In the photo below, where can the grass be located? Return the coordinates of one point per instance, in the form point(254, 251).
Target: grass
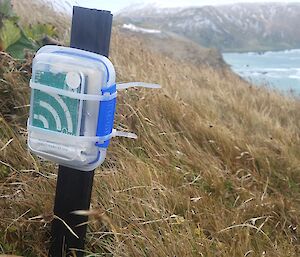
point(215, 171)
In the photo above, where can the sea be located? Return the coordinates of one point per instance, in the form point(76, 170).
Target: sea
point(278, 70)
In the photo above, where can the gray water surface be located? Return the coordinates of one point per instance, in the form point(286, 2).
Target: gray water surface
point(279, 70)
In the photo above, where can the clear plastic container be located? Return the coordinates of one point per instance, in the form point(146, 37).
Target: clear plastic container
point(72, 108)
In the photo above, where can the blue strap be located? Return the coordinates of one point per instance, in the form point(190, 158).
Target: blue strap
point(106, 117)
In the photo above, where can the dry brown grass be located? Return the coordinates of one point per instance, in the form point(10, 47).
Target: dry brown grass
point(215, 171)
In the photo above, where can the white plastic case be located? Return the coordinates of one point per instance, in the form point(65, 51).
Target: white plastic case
point(70, 90)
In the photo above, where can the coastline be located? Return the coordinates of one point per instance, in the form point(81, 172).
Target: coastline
point(260, 52)
point(279, 70)
point(238, 51)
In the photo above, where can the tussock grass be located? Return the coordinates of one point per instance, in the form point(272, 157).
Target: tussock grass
point(215, 171)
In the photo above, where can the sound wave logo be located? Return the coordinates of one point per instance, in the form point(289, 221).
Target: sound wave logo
point(54, 112)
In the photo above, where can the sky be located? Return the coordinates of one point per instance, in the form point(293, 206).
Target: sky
point(117, 5)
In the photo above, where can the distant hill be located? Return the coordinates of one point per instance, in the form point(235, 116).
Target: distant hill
point(238, 27)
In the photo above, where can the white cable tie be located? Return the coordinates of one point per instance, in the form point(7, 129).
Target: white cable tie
point(74, 95)
point(117, 133)
point(63, 136)
point(123, 86)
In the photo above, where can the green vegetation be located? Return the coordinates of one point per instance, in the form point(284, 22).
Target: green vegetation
point(14, 39)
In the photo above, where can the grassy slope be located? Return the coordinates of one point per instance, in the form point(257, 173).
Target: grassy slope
point(177, 47)
point(215, 171)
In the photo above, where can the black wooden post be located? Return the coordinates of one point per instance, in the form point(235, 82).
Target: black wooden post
point(91, 31)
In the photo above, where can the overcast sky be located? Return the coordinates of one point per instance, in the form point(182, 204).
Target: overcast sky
point(116, 5)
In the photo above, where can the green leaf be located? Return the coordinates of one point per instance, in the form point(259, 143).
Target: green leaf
point(38, 31)
point(17, 50)
point(9, 34)
point(14, 39)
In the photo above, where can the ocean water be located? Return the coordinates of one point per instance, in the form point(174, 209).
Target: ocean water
point(279, 70)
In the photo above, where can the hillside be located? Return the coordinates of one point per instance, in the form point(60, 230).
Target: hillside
point(215, 170)
point(176, 47)
point(237, 27)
